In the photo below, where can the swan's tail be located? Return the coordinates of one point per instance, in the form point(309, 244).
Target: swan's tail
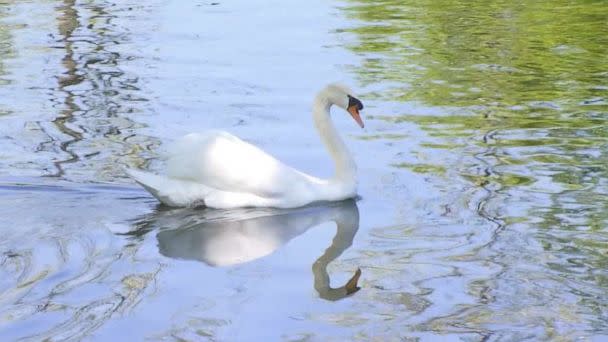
point(151, 182)
point(172, 192)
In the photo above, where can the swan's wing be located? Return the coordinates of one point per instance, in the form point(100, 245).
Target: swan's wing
point(225, 162)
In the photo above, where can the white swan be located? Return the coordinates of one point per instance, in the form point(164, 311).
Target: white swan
point(218, 170)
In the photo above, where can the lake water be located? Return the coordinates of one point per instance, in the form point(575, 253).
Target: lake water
point(483, 171)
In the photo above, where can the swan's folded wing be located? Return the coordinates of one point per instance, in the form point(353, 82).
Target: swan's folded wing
point(225, 162)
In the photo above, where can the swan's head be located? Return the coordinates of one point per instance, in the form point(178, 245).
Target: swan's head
point(343, 97)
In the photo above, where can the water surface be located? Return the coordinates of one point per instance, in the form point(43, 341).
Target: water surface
point(483, 171)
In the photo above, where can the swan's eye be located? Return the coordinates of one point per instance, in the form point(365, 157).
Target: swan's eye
point(353, 101)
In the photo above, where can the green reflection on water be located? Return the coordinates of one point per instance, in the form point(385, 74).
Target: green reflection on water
point(535, 73)
point(422, 168)
point(459, 53)
point(519, 97)
point(6, 49)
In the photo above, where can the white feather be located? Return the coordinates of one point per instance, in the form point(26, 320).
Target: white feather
point(219, 170)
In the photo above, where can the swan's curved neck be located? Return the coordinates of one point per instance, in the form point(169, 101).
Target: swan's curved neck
point(346, 169)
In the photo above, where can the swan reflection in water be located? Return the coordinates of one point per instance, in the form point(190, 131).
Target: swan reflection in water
point(222, 238)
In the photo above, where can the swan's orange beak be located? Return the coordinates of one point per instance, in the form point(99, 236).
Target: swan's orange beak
point(354, 112)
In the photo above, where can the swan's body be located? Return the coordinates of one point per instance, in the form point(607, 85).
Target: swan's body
point(218, 170)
